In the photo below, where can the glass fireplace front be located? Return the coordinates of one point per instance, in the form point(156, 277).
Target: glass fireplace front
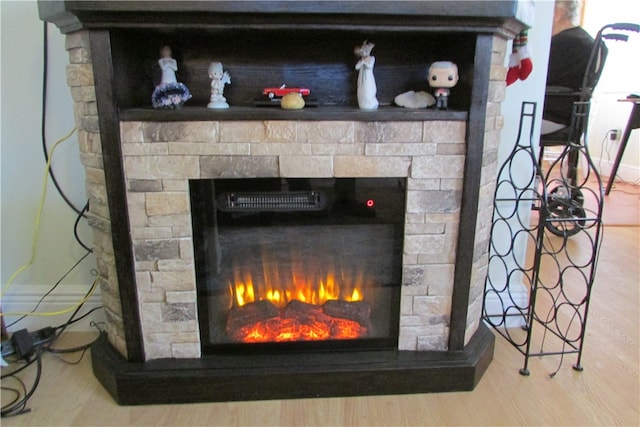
point(298, 263)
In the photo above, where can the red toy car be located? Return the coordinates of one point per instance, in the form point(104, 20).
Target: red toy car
point(281, 91)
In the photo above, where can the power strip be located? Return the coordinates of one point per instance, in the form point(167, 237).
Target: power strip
point(23, 343)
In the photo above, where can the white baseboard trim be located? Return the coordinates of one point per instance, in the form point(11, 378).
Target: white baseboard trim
point(494, 308)
point(24, 298)
point(628, 173)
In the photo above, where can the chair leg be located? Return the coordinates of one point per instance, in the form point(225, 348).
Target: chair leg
point(572, 164)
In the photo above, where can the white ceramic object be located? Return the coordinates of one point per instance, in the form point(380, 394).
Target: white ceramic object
point(367, 88)
point(218, 79)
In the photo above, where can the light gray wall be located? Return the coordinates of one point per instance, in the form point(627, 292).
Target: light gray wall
point(531, 89)
point(23, 168)
point(521, 171)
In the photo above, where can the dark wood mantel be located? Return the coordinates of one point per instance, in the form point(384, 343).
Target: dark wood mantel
point(503, 16)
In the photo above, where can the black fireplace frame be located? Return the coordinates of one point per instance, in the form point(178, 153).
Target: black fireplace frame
point(338, 206)
point(291, 376)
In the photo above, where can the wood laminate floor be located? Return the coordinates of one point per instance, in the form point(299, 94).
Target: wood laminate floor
point(605, 393)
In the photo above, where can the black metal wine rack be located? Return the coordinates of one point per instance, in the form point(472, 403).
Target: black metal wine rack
point(546, 230)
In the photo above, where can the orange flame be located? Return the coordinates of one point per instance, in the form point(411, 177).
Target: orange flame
point(311, 287)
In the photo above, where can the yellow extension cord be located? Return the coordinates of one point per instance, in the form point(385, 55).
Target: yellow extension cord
point(34, 244)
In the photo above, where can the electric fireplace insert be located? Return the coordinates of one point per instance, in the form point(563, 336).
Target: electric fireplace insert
point(298, 264)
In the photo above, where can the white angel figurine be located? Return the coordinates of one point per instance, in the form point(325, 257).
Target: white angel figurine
point(170, 93)
point(168, 65)
point(367, 89)
point(218, 80)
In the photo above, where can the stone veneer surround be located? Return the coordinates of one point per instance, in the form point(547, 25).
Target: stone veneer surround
point(160, 158)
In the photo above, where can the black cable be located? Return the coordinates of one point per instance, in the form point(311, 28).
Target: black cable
point(76, 349)
point(83, 346)
point(60, 329)
point(45, 72)
point(21, 368)
point(12, 358)
point(19, 393)
point(80, 318)
point(52, 288)
point(75, 362)
point(13, 390)
point(81, 215)
point(20, 406)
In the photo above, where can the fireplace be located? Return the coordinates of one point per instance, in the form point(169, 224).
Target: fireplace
point(258, 253)
point(197, 221)
point(307, 262)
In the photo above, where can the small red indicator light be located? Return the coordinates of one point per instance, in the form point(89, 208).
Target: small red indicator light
point(370, 203)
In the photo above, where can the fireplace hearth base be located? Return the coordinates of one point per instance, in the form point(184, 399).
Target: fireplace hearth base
point(220, 378)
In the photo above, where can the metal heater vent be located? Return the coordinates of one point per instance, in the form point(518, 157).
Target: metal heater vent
point(272, 201)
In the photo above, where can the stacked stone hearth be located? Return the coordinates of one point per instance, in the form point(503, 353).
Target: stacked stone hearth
point(81, 84)
point(161, 157)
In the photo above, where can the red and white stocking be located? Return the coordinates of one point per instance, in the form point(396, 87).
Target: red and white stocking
point(520, 63)
point(513, 73)
point(526, 64)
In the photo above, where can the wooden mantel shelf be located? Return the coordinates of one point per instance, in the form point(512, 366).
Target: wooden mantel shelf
point(276, 113)
point(505, 16)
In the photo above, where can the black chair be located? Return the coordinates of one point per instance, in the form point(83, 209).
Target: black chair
point(573, 133)
point(566, 200)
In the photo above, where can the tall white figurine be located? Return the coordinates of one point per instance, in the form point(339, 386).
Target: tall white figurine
point(367, 88)
point(168, 65)
point(169, 94)
point(218, 80)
